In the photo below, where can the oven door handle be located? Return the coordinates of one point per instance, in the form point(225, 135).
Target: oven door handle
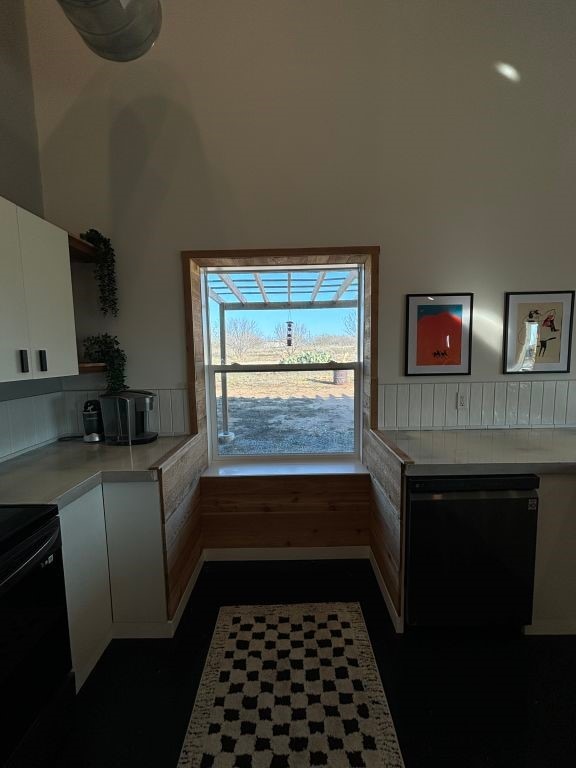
point(30, 562)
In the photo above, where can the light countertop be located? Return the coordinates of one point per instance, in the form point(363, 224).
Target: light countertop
point(63, 471)
point(485, 451)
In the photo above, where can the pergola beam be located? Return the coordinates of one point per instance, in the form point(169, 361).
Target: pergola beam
point(345, 285)
point(230, 283)
point(292, 305)
point(260, 285)
point(213, 295)
point(318, 285)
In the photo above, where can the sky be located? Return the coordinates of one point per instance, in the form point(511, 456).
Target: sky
point(318, 321)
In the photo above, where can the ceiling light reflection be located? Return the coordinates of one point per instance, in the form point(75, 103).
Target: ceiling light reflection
point(507, 71)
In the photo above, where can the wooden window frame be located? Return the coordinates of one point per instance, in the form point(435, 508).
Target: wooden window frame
point(194, 261)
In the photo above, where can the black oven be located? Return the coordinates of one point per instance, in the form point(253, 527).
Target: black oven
point(36, 678)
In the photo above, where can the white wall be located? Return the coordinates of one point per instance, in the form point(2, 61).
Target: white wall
point(19, 164)
point(273, 123)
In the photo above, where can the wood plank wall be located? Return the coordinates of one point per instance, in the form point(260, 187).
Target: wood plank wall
point(180, 494)
point(194, 346)
point(179, 475)
point(294, 511)
point(387, 525)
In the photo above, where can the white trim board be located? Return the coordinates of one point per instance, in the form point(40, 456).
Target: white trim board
point(123, 630)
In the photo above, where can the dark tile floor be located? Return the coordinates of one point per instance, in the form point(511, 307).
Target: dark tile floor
point(458, 699)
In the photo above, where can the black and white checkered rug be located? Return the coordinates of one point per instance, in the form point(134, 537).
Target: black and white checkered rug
point(291, 686)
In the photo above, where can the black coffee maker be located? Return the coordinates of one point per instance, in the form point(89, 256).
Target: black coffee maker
point(125, 417)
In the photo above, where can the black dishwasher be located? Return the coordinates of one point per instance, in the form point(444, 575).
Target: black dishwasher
point(470, 550)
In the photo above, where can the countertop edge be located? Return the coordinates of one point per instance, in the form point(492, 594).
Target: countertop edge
point(173, 454)
point(100, 477)
point(383, 438)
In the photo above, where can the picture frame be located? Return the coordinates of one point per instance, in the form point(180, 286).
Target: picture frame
point(438, 334)
point(538, 331)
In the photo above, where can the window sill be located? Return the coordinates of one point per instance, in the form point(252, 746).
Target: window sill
point(262, 468)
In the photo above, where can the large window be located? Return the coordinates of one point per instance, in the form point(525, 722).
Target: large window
point(283, 347)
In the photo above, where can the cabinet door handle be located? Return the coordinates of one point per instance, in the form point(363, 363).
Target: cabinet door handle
point(24, 366)
point(43, 359)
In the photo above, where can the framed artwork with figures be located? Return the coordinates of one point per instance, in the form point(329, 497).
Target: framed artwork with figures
point(438, 334)
point(538, 332)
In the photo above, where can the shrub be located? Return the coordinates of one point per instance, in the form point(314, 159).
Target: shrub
point(307, 357)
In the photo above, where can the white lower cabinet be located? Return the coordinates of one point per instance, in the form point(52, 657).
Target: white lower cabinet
point(136, 557)
point(113, 554)
point(85, 555)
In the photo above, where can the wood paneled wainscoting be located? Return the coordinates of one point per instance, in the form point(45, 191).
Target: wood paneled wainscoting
point(179, 477)
point(386, 465)
point(207, 517)
point(285, 511)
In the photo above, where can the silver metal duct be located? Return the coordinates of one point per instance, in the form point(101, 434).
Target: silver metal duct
point(119, 30)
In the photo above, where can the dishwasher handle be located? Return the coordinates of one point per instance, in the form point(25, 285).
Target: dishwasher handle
point(473, 498)
point(33, 552)
point(468, 483)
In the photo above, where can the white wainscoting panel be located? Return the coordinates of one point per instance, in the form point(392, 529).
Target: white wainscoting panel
point(548, 403)
point(571, 403)
point(451, 404)
point(560, 402)
point(29, 422)
point(488, 405)
point(463, 411)
point(427, 414)
point(512, 393)
point(476, 405)
point(169, 417)
point(536, 398)
point(439, 404)
point(402, 404)
point(524, 404)
point(415, 405)
point(499, 404)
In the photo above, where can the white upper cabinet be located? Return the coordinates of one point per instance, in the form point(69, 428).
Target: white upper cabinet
point(48, 289)
point(14, 337)
point(36, 307)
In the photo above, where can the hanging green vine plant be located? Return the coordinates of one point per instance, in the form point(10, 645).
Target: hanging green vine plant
point(105, 271)
point(104, 348)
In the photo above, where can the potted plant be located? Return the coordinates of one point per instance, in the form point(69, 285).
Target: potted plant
point(104, 348)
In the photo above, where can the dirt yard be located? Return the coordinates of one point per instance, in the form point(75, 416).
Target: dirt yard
point(289, 425)
point(292, 412)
